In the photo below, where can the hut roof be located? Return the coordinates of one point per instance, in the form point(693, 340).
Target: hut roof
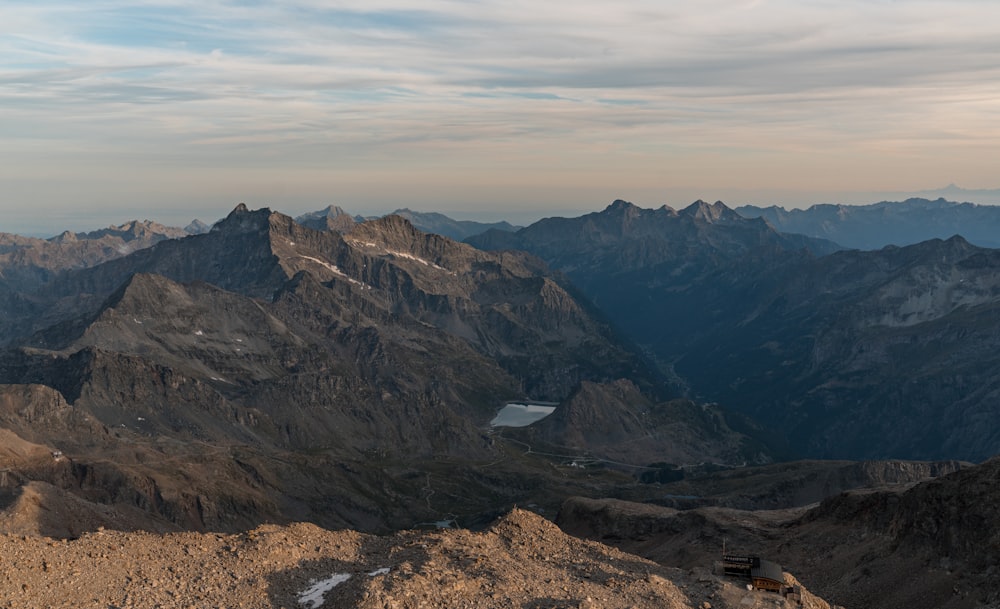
point(765, 569)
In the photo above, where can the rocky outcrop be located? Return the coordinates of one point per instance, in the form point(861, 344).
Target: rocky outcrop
point(521, 561)
point(793, 484)
point(618, 423)
point(925, 545)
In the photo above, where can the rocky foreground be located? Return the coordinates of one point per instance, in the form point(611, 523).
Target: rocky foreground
point(522, 561)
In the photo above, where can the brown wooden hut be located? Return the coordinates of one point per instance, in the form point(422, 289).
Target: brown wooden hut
point(763, 574)
point(767, 575)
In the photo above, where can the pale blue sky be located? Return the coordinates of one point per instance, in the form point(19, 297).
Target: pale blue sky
point(174, 109)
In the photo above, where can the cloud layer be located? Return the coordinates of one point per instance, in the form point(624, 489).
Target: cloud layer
point(379, 103)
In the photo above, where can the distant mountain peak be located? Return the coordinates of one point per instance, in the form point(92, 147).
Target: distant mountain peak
point(714, 212)
point(64, 237)
point(331, 218)
point(394, 222)
point(333, 211)
point(335, 219)
point(873, 226)
point(330, 211)
point(242, 220)
point(197, 227)
point(622, 215)
point(620, 205)
point(391, 230)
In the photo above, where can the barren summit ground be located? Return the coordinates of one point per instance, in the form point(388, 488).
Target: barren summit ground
point(522, 561)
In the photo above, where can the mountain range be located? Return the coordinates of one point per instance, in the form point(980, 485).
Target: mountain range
point(838, 354)
point(335, 218)
point(870, 227)
point(346, 371)
point(32, 260)
point(341, 378)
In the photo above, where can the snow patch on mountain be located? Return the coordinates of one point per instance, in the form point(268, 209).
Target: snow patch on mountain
point(313, 596)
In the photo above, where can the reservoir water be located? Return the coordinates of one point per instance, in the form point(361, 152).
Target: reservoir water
point(521, 415)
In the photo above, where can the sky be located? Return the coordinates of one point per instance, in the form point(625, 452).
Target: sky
point(174, 109)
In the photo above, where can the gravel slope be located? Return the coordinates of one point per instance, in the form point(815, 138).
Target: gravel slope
point(522, 561)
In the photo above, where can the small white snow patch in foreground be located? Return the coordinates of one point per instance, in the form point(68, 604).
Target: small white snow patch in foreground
point(199, 333)
point(378, 572)
point(314, 595)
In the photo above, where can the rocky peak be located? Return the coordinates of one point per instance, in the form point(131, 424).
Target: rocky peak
point(618, 219)
point(620, 205)
point(141, 291)
point(397, 233)
point(950, 250)
point(623, 209)
point(64, 237)
point(197, 227)
point(333, 211)
point(713, 213)
point(958, 241)
point(133, 226)
point(330, 218)
point(394, 225)
point(146, 232)
point(242, 220)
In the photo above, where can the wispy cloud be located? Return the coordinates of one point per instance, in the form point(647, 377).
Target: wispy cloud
point(728, 92)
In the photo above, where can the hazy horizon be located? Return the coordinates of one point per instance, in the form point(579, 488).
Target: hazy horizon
point(53, 224)
point(170, 109)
